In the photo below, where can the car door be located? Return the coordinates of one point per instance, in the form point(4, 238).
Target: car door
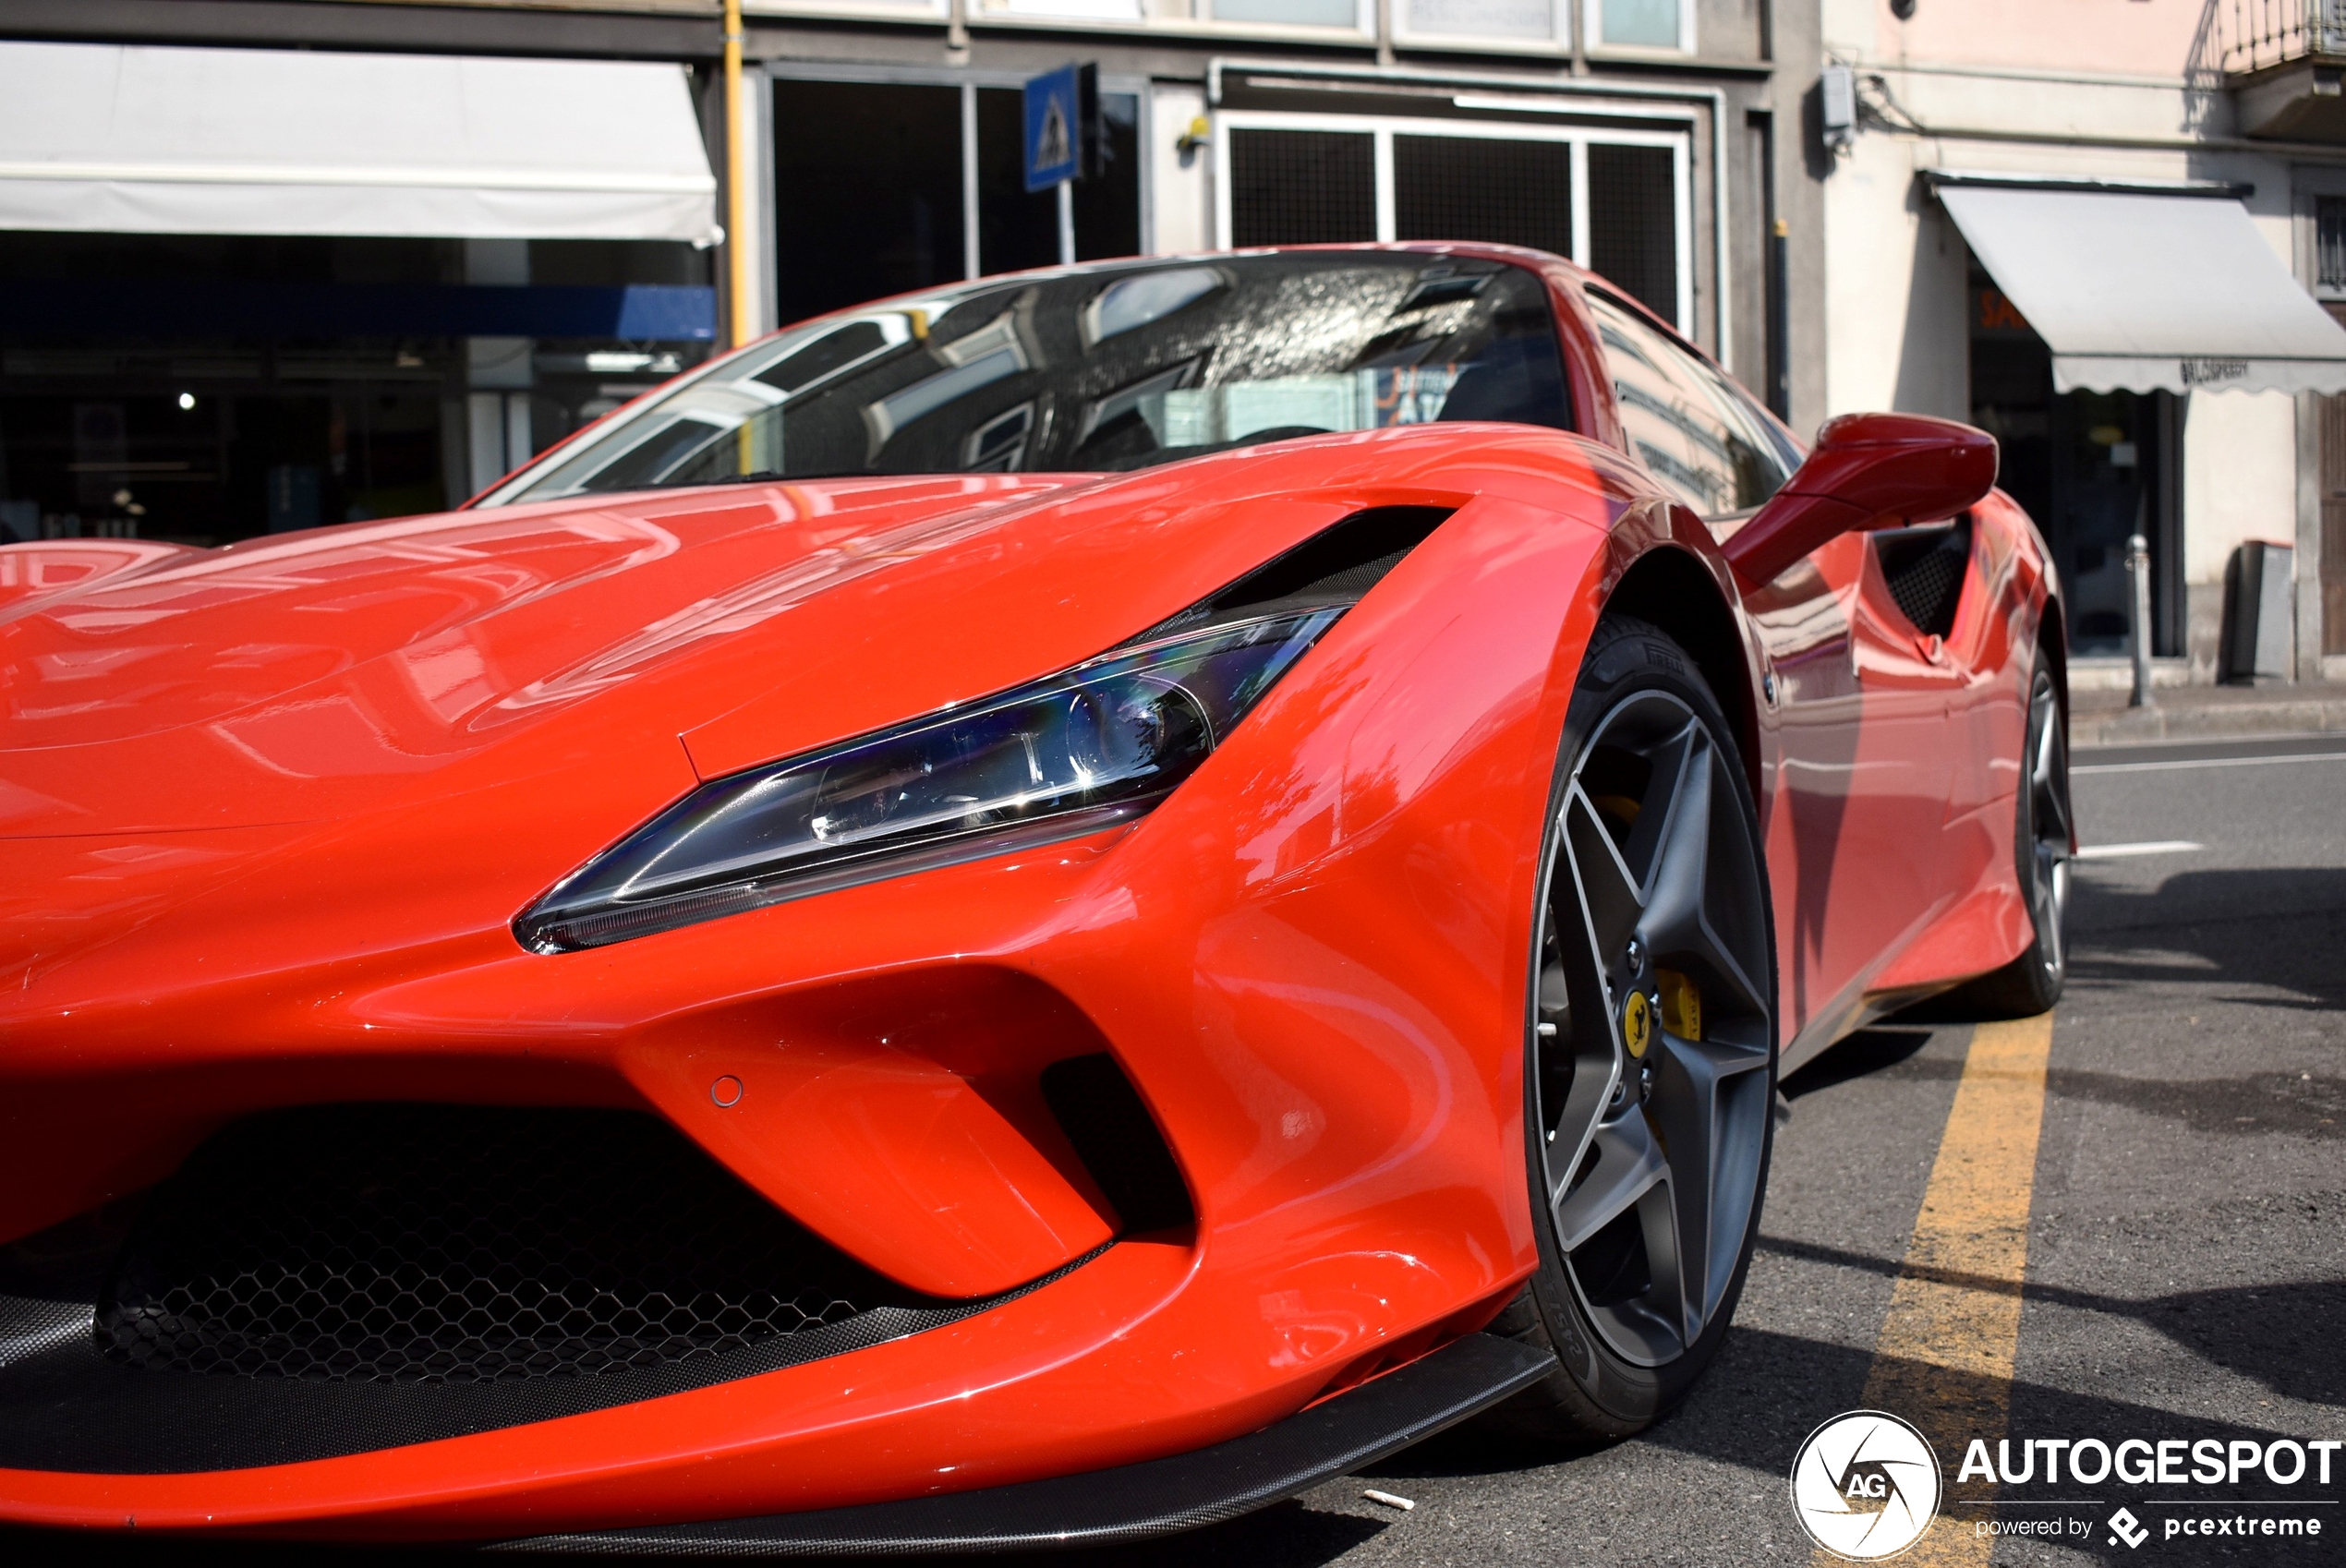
point(1855, 820)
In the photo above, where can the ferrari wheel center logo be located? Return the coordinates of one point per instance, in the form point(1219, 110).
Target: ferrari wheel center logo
point(1637, 1023)
point(1864, 1486)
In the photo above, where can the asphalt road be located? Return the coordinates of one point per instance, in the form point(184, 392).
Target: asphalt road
point(2185, 1262)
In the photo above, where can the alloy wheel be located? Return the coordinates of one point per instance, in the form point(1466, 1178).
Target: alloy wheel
point(1653, 1037)
point(2048, 824)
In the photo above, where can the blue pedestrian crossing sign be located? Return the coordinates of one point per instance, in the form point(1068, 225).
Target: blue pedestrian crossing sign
point(1053, 145)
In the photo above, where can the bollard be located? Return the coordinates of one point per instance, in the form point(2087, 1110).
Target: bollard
point(2138, 617)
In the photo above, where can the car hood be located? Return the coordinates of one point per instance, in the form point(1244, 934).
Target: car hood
point(668, 637)
point(394, 649)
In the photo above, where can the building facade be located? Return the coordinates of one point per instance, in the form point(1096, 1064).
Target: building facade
point(1659, 141)
point(2104, 112)
point(1656, 140)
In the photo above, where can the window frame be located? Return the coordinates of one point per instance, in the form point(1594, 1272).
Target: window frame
point(1141, 88)
point(1204, 24)
point(1383, 128)
point(1583, 19)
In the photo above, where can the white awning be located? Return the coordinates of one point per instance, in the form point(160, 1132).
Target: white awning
point(134, 140)
point(2150, 291)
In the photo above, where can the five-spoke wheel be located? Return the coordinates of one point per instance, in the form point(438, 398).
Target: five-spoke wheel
point(1651, 1040)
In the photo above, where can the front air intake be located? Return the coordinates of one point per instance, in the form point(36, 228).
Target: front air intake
point(460, 1244)
point(341, 1279)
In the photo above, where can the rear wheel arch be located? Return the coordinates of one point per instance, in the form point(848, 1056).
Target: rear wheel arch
point(2052, 635)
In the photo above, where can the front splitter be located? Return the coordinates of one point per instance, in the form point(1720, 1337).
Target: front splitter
point(1160, 1497)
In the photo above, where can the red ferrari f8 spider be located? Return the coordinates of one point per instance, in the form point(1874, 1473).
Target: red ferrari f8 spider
point(1041, 913)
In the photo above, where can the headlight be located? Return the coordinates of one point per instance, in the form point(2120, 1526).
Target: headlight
point(1078, 752)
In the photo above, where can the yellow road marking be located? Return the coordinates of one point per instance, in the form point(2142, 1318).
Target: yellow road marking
point(1944, 1359)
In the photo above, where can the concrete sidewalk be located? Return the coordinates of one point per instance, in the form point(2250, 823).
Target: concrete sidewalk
point(2196, 713)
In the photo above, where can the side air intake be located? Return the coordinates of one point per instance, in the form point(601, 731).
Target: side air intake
point(1925, 568)
point(1337, 564)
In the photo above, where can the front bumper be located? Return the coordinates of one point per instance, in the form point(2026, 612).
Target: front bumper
point(1309, 962)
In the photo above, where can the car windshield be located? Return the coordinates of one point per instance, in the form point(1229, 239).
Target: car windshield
point(1093, 368)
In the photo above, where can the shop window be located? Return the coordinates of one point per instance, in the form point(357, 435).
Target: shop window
point(871, 175)
point(1462, 188)
point(1017, 229)
point(1301, 187)
point(2091, 467)
point(872, 195)
point(1643, 24)
point(205, 388)
point(210, 466)
point(1633, 222)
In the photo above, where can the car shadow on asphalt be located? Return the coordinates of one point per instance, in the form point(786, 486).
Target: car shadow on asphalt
point(2301, 1103)
point(2274, 929)
point(1862, 1055)
point(2286, 1336)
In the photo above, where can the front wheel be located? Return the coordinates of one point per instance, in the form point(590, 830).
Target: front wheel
point(1649, 1061)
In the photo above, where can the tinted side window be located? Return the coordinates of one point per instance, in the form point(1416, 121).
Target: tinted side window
point(1691, 426)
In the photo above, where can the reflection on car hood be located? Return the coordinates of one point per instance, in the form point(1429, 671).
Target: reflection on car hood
point(588, 662)
point(393, 648)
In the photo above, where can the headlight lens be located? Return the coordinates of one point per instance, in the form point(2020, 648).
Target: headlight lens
point(1066, 755)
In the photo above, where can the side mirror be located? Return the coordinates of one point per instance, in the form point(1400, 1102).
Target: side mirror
point(1868, 471)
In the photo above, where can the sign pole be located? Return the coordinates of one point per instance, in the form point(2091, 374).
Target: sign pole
point(1058, 139)
point(736, 198)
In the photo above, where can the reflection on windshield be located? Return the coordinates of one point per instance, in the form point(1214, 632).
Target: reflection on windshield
point(1094, 368)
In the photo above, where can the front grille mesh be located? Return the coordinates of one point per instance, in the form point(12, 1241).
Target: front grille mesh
point(455, 1244)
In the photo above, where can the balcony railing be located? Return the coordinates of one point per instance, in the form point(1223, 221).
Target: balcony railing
point(2251, 35)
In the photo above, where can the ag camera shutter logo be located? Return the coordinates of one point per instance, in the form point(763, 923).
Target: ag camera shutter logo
point(1864, 1486)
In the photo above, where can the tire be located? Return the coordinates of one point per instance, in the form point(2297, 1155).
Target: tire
point(2032, 982)
point(1646, 1158)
